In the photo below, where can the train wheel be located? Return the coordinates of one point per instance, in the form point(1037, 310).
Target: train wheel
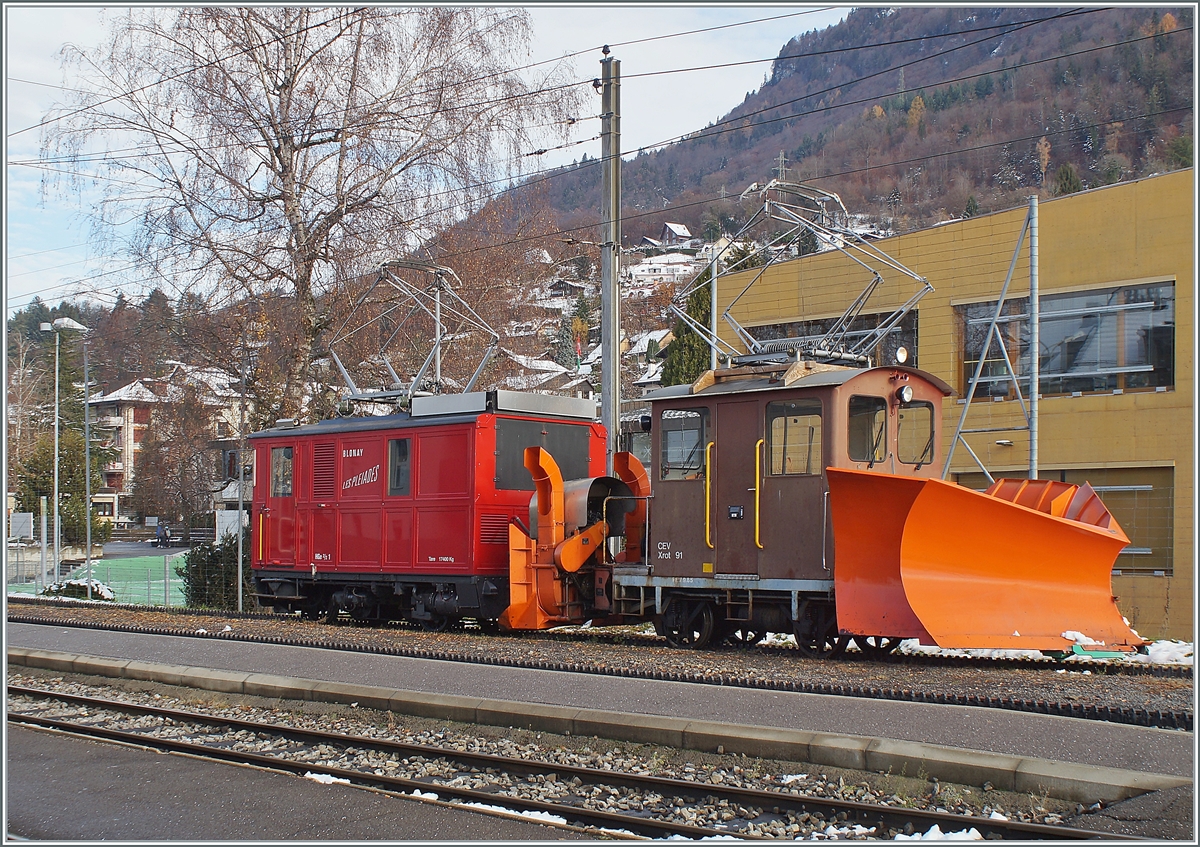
point(876, 647)
point(817, 633)
point(743, 637)
point(437, 623)
point(697, 631)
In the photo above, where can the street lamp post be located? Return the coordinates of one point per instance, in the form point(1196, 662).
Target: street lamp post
point(56, 327)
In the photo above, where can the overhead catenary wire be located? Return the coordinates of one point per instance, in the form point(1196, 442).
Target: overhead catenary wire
point(559, 171)
point(700, 202)
point(475, 105)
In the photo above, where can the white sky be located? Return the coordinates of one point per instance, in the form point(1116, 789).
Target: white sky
point(46, 250)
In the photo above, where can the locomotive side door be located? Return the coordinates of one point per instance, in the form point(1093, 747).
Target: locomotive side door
point(277, 521)
point(797, 534)
point(737, 462)
point(680, 533)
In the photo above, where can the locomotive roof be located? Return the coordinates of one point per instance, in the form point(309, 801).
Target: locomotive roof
point(765, 382)
point(401, 420)
point(451, 408)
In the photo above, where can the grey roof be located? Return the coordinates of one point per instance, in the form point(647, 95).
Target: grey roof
point(816, 380)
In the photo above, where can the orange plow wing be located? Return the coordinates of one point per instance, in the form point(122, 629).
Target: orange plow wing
point(1013, 568)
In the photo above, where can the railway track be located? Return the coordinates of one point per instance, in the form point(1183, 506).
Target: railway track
point(614, 802)
point(627, 637)
point(1158, 718)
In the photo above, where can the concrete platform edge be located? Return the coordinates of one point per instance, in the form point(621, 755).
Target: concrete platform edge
point(1064, 780)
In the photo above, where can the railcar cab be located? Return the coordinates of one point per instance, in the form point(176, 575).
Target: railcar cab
point(740, 526)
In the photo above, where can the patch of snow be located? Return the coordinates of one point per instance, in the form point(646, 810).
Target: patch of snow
point(996, 816)
point(792, 777)
point(836, 832)
point(1081, 639)
point(325, 779)
point(544, 817)
point(423, 795)
point(202, 632)
point(1157, 653)
point(935, 834)
point(227, 628)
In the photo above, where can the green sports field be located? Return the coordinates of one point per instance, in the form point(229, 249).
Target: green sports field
point(137, 580)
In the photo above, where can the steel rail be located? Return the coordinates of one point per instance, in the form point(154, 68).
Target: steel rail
point(595, 634)
point(1155, 718)
point(848, 811)
point(400, 785)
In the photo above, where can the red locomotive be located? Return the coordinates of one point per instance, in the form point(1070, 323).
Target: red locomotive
point(406, 516)
point(760, 479)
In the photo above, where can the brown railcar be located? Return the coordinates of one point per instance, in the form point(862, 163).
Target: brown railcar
point(740, 540)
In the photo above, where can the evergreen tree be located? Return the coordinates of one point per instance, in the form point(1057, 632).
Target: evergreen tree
point(35, 479)
point(972, 207)
point(688, 355)
point(1066, 181)
point(209, 573)
point(563, 348)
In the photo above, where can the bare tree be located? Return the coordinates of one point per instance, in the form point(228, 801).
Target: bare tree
point(177, 469)
point(280, 150)
point(26, 413)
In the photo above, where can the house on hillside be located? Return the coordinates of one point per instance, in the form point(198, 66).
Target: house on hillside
point(670, 268)
point(123, 419)
point(674, 235)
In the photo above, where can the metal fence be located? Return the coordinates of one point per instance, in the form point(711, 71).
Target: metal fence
point(141, 580)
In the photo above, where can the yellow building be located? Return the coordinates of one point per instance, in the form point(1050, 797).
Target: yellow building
point(1117, 284)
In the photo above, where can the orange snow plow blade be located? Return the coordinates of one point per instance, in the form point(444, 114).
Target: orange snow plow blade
point(1013, 568)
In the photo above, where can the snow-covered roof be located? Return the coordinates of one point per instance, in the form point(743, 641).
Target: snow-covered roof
point(678, 230)
point(640, 342)
point(594, 355)
point(534, 364)
point(134, 392)
point(653, 374)
point(527, 381)
point(666, 259)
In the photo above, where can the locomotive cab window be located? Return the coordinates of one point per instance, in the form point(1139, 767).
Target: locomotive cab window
point(914, 434)
point(398, 467)
point(281, 471)
point(794, 432)
point(867, 429)
point(684, 436)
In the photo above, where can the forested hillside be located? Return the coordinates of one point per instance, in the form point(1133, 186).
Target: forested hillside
point(916, 115)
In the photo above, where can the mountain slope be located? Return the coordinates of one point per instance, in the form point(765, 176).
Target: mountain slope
point(916, 115)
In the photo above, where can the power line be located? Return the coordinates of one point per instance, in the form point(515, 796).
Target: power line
point(475, 105)
point(553, 173)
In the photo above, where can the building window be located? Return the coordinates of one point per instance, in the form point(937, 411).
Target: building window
point(809, 333)
point(794, 433)
point(1096, 341)
point(104, 510)
point(398, 467)
point(1141, 499)
point(915, 434)
point(867, 429)
point(281, 471)
point(684, 437)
